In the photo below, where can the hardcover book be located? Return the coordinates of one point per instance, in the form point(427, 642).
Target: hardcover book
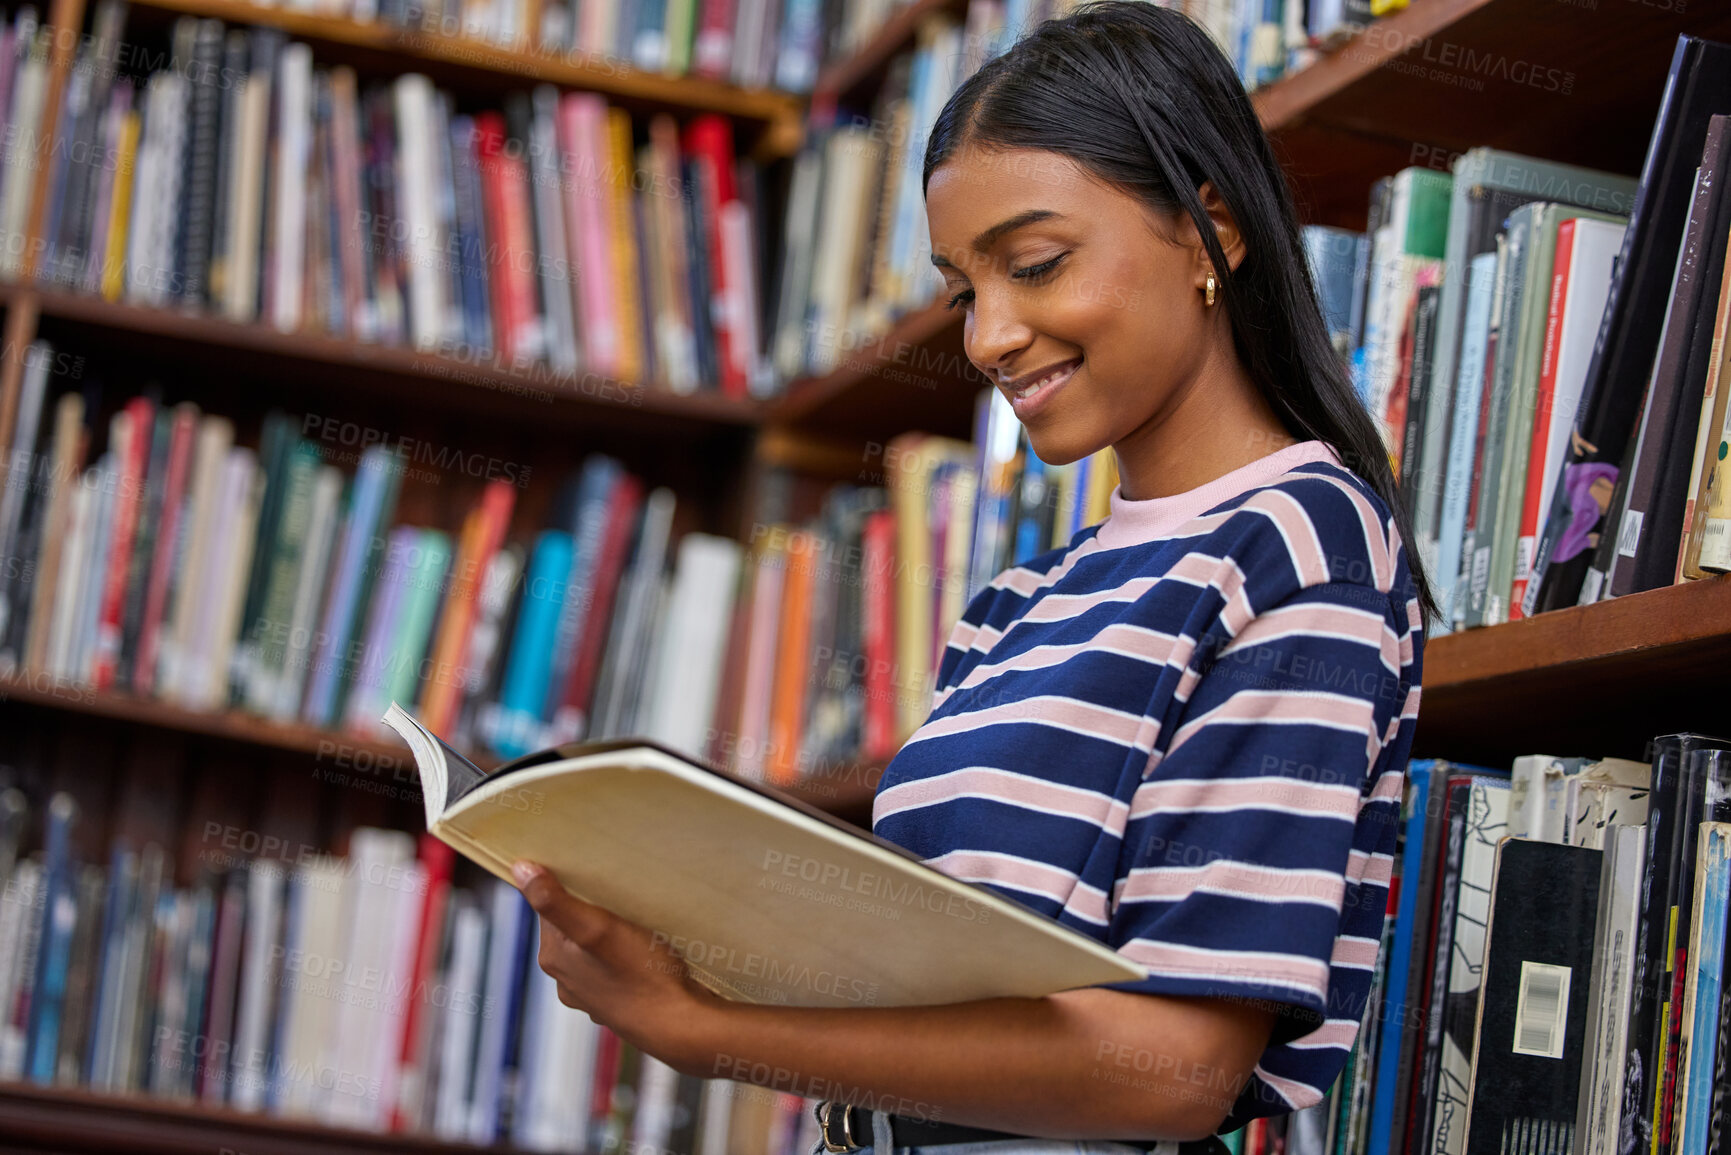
point(1532, 1016)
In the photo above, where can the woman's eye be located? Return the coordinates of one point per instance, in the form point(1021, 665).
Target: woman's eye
point(1034, 272)
point(964, 295)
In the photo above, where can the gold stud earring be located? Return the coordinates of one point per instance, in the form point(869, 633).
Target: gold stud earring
point(1209, 290)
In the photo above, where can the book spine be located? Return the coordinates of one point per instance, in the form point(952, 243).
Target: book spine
point(193, 259)
point(1546, 397)
point(451, 653)
point(134, 456)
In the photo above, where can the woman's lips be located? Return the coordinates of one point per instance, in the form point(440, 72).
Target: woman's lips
point(1028, 404)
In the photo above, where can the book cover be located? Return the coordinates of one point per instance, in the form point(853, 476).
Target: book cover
point(1533, 1010)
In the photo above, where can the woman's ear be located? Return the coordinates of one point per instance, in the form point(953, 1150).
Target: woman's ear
point(1225, 228)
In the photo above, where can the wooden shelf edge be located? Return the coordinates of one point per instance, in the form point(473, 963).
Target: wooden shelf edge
point(68, 1120)
point(914, 329)
point(898, 32)
point(536, 381)
point(1693, 614)
point(1280, 104)
point(1287, 101)
point(844, 790)
point(36, 688)
point(596, 72)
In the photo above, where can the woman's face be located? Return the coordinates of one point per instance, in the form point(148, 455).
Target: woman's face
point(1072, 286)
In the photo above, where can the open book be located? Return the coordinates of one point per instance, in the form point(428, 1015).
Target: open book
point(767, 899)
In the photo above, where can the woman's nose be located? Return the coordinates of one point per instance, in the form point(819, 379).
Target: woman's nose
point(994, 334)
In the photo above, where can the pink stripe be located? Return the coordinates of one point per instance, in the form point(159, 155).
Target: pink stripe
point(1290, 707)
point(1063, 607)
point(1333, 1033)
point(1262, 793)
point(1294, 526)
point(1311, 619)
point(1302, 541)
point(962, 636)
point(1008, 870)
point(1222, 574)
point(1027, 583)
point(985, 638)
point(1002, 786)
point(1396, 650)
point(1088, 903)
point(1369, 868)
point(1350, 951)
point(1300, 1095)
point(1296, 971)
point(1118, 638)
point(1375, 541)
point(1410, 709)
point(1020, 581)
point(1050, 710)
point(1234, 880)
point(1388, 785)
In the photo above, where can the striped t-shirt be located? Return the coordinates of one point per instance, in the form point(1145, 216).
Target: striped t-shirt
point(1185, 734)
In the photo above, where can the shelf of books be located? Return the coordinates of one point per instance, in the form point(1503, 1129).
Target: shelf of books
point(306, 410)
point(495, 46)
point(483, 383)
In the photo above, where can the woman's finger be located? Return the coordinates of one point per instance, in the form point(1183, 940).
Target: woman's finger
point(583, 923)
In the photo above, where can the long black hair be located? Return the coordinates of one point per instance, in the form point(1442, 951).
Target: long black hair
point(1142, 98)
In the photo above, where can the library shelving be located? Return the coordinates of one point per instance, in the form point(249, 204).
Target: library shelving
point(1603, 676)
point(772, 119)
point(73, 1122)
point(845, 791)
point(503, 391)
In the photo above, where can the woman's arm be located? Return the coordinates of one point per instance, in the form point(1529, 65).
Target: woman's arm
point(1085, 1064)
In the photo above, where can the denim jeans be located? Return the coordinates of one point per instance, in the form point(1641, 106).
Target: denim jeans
point(881, 1145)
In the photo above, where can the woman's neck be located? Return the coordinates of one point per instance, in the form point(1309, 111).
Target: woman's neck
point(1219, 423)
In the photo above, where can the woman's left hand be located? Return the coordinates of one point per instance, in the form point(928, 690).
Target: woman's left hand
point(620, 974)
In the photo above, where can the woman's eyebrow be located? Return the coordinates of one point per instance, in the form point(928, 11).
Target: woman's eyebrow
point(987, 238)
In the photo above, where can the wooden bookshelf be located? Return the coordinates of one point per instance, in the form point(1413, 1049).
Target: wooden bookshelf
point(527, 392)
point(772, 120)
point(1595, 679)
point(846, 80)
point(57, 1121)
point(1598, 679)
point(845, 791)
point(913, 375)
point(42, 690)
point(1400, 92)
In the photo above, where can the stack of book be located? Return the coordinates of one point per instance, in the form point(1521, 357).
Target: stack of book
point(239, 179)
point(1544, 348)
point(368, 990)
point(1552, 973)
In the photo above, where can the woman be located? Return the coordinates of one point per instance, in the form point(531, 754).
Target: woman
point(1185, 732)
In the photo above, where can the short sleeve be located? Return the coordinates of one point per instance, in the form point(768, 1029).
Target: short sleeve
point(1256, 852)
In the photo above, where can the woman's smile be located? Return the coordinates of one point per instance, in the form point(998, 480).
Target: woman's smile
point(1032, 392)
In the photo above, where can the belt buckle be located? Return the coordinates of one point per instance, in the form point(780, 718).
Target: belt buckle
point(826, 1121)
